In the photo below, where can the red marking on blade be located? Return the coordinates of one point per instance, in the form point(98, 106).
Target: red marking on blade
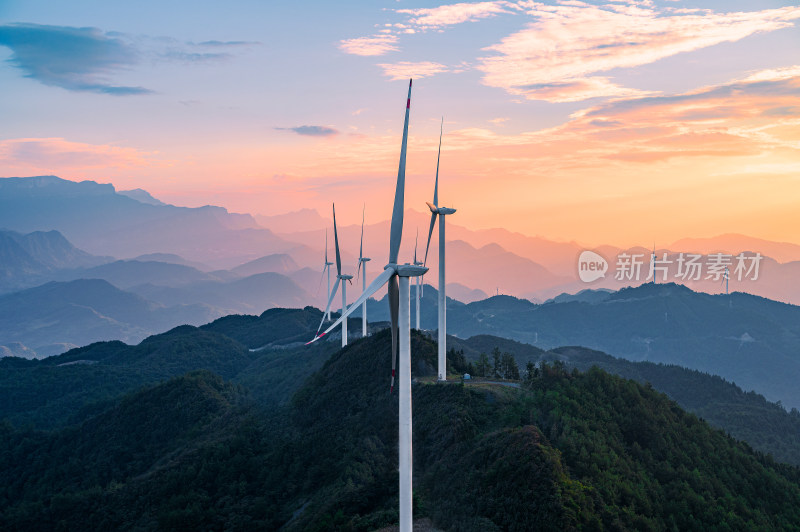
point(392, 373)
point(408, 103)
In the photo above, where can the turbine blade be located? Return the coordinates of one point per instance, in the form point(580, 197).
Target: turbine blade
point(361, 248)
point(373, 287)
point(322, 278)
point(326, 245)
point(416, 241)
point(330, 301)
point(336, 239)
point(394, 310)
point(430, 232)
point(436, 186)
point(397, 212)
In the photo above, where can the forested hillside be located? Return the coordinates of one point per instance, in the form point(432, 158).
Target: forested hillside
point(567, 450)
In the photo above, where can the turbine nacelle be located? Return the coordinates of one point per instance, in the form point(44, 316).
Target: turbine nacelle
point(406, 270)
point(410, 270)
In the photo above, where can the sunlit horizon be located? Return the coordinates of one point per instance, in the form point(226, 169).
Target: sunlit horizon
point(609, 123)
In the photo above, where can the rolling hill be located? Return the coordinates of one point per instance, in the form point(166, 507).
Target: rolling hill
point(567, 450)
point(746, 339)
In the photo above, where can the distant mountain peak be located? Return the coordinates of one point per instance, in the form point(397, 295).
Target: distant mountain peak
point(142, 196)
point(50, 185)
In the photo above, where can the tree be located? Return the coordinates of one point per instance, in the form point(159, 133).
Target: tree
point(497, 361)
point(482, 365)
point(531, 371)
point(510, 368)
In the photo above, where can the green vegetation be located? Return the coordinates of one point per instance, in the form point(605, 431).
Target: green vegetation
point(67, 389)
point(747, 416)
point(567, 451)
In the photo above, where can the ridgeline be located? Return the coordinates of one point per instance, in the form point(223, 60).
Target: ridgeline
point(567, 450)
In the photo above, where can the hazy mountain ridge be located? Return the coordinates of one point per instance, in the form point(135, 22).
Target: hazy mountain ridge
point(84, 311)
point(746, 339)
point(98, 219)
point(142, 196)
point(29, 259)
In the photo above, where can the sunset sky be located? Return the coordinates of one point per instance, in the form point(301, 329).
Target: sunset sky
point(613, 122)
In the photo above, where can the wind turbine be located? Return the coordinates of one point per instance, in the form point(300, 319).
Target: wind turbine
point(653, 262)
point(418, 280)
point(363, 260)
point(327, 268)
point(725, 277)
point(396, 276)
point(339, 278)
point(441, 212)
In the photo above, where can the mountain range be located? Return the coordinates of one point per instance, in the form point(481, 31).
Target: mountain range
point(747, 339)
point(211, 449)
point(266, 270)
point(128, 224)
point(743, 338)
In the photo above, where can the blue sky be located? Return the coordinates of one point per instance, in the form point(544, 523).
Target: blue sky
point(268, 107)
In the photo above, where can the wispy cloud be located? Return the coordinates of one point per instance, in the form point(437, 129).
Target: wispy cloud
point(556, 57)
point(311, 131)
point(407, 69)
point(448, 15)
point(575, 90)
point(379, 44)
point(77, 59)
point(58, 154)
point(86, 59)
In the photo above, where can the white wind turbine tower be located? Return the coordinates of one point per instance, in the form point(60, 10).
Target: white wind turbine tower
point(653, 262)
point(418, 280)
point(441, 212)
point(726, 277)
point(339, 279)
point(363, 260)
point(395, 274)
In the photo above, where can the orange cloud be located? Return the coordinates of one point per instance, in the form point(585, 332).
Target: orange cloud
point(379, 44)
point(575, 90)
point(573, 41)
point(448, 15)
point(406, 69)
point(50, 154)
